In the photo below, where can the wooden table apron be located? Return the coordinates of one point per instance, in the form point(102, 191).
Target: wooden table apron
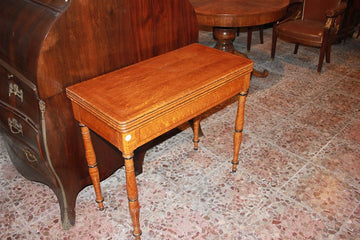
point(225, 16)
point(129, 117)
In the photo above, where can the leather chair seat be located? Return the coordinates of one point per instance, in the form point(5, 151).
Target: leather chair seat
point(306, 32)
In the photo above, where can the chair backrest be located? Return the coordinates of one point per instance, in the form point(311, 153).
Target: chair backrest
point(315, 9)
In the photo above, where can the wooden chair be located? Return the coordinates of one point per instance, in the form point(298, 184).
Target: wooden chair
point(317, 26)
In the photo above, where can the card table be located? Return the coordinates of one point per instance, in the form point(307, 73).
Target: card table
point(133, 105)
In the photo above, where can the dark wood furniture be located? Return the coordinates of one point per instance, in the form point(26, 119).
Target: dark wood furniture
point(351, 22)
point(225, 16)
point(183, 84)
point(317, 26)
point(48, 45)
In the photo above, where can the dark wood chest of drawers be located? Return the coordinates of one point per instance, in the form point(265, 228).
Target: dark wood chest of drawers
point(48, 45)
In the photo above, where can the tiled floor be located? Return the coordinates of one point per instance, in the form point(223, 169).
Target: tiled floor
point(299, 176)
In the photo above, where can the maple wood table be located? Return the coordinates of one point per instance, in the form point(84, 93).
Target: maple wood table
point(133, 105)
point(225, 16)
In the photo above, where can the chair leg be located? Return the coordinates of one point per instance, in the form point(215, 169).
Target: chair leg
point(273, 44)
point(296, 48)
point(328, 50)
point(321, 57)
point(249, 37)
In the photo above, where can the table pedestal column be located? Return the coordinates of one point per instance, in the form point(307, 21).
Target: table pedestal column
point(224, 41)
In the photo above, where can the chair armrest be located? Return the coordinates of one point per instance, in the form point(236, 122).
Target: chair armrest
point(331, 13)
point(334, 19)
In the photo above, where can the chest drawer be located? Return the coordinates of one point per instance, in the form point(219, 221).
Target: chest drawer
point(27, 160)
point(24, 153)
point(19, 126)
point(20, 95)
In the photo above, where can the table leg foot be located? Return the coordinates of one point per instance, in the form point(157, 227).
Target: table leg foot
point(132, 193)
point(92, 164)
point(239, 123)
point(263, 74)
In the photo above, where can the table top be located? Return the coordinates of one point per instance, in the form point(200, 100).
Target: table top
point(144, 100)
point(238, 13)
point(157, 84)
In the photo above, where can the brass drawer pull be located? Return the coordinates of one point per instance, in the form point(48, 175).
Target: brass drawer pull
point(29, 156)
point(14, 89)
point(15, 126)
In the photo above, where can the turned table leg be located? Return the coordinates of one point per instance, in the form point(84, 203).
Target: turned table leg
point(132, 193)
point(196, 132)
point(92, 164)
point(239, 123)
point(224, 41)
point(191, 122)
